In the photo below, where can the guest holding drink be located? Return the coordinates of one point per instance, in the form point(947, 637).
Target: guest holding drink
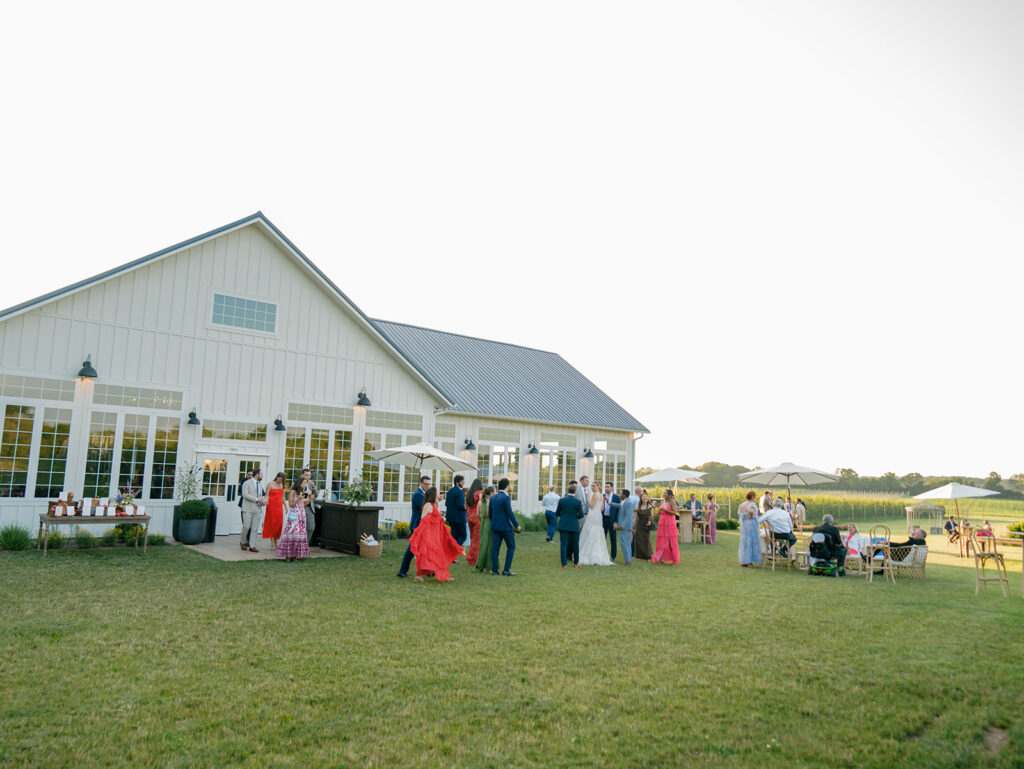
point(711, 521)
point(642, 535)
point(667, 542)
point(476, 491)
point(432, 544)
point(750, 539)
point(486, 535)
point(293, 542)
point(274, 520)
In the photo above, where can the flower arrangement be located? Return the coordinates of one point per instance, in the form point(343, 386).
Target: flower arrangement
point(357, 492)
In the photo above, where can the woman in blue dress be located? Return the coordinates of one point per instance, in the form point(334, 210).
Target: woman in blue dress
point(750, 538)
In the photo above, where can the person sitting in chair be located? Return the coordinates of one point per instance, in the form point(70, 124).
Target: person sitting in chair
point(952, 530)
point(781, 524)
point(834, 542)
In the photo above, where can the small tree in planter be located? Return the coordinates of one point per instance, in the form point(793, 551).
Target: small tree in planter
point(192, 511)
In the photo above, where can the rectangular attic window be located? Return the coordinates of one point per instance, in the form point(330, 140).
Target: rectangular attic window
point(244, 313)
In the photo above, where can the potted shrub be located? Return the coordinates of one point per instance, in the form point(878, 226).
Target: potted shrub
point(190, 513)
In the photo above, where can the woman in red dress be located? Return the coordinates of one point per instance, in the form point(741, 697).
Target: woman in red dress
point(275, 510)
point(476, 490)
point(432, 543)
point(667, 541)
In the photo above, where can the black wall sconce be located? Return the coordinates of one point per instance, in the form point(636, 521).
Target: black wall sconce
point(192, 418)
point(533, 450)
point(588, 454)
point(87, 371)
point(470, 446)
point(279, 425)
point(363, 400)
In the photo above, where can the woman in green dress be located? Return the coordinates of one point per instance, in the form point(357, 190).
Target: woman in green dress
point(483, 561)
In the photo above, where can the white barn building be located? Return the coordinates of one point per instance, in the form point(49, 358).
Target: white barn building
point(240, 330)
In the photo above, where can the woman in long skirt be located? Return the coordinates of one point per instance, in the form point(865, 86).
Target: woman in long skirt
point(473, 519)
point(293, 542)
point(750, 538)
point(432, 543)
point(666, 546)
point(642, 534)
point(711, 521)
point(483, 562)
point(274, 520)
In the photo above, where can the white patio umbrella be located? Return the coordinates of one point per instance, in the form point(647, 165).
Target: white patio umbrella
point(956, 491)
point(673, 475)
point(788, 473)
point(421, 456)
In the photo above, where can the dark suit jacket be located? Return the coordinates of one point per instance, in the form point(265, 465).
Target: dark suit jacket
point(500, 509)
point(569, 512)
point(833, 538)
point(455, 506)
point(613, 508)
point(417, 509)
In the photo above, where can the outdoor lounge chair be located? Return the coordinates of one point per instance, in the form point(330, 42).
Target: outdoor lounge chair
point(909, 561)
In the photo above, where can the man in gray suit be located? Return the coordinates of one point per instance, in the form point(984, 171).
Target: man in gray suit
point(624, 523)
point(252, 510)
point(583, 493)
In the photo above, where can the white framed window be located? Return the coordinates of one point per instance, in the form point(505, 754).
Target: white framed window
point(249, 314)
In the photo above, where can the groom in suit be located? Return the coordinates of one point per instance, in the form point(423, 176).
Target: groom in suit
point(609, 515)
point(455, 510)
point(503, 524)
point(570, 512)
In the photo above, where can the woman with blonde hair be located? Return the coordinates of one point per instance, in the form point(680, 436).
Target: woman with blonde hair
point(666, 545)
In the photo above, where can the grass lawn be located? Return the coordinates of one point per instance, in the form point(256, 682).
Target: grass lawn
point(110, 658)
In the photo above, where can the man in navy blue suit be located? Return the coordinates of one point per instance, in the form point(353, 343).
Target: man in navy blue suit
point(570, 511)
point(414, 521)
point(610, 516)
point(455, 510)
point(503, 524)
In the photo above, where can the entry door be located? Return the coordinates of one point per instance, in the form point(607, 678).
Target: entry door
point(222, 477)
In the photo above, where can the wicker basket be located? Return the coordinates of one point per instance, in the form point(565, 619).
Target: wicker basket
point(370, 551)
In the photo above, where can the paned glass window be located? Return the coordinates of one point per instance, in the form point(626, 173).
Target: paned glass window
point(99, 456)
point(497, 462)
point(342, 459)
point(215, 477)
point(443, 478)
point(136, 397)
point(244, 313)
point(499, 435)
point(444, 430)
point(392, 421)
point(53, 452)
point(411, 474)
point(165, 457)
point(319, 444)
point(14, 386)
point(234, 431)
point(324, 415)
point(15, 447)
point(391, 474)
point(294, 453)
point(133, 452)
point(371, 467)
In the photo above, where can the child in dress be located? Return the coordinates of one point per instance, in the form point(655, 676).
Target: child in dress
point(293, 542)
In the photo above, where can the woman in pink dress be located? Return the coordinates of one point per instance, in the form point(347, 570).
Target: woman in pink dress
point(293, 542)
point(711, 519)
point(666, 546)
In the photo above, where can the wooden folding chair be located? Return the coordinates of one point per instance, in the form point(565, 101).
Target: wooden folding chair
point(885, 562)
point(773, 550)
point(982, 555)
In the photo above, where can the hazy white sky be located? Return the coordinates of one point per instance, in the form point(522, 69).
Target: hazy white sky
point(771, 230)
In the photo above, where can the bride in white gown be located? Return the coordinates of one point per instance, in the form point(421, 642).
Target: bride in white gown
point(593, 549)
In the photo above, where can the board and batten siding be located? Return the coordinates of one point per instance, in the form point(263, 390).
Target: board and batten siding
point(151, 327)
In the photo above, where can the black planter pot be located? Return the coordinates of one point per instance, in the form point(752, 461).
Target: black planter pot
point(191, 531)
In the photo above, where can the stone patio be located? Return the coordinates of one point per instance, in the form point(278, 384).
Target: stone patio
point(226, 548)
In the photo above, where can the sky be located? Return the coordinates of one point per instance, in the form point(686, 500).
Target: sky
point(772, 231)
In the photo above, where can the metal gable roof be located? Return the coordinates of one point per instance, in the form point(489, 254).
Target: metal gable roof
point(506, 380)
point(256, 218)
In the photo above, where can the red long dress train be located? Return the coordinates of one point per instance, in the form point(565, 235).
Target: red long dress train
point(473, 519)
point(275, 514)
point(434, 546)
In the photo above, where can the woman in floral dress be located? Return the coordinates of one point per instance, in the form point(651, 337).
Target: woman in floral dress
point(750, 538)
point(293, 542)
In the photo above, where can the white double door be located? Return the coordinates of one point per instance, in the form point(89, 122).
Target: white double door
point(222, 477)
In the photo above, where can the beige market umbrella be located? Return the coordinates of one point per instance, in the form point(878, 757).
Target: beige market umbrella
point(673, 475)
point(956, 491)
point(789, 474)
point(421, 456)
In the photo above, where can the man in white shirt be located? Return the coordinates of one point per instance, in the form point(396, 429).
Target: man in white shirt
point(780, 523)
point(550, 503)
